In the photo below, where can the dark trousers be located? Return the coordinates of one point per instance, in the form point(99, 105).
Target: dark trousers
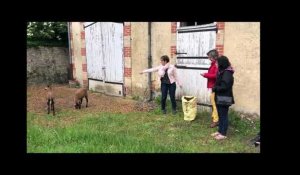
point(223, 119)
point(164, 92)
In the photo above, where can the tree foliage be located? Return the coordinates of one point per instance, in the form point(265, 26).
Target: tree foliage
point(45, 33)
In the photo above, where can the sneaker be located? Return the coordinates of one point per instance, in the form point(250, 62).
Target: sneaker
point(220, 137)
point(256, 139)
point(215, 134)
point(164, 111)
point(214, 124)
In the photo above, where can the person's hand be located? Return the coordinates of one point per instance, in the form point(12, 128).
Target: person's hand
point(202, 74)
point(141, 72)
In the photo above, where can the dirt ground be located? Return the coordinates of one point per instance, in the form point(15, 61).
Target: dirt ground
point(98, 102)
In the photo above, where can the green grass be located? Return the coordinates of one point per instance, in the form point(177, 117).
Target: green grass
point(140, 132)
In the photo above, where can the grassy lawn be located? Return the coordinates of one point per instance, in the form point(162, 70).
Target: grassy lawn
point(72, 131)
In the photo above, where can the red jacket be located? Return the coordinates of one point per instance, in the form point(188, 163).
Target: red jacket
point(211, 75)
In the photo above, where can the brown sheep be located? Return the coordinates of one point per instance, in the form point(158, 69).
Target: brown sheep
point(79, 95)
point(50, 99)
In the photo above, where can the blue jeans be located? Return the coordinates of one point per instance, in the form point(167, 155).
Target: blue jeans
point(223, 119)
point(164, 92)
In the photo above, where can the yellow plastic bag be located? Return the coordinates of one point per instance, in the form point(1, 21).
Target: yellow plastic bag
point(189, 105)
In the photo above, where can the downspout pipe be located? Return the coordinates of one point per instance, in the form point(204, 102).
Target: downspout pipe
point(70, 54)
point(149, 60)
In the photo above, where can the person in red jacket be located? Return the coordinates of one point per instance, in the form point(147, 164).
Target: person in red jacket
point(211, 80)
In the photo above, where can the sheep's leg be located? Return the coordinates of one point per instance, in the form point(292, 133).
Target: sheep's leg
point(80, 103)
point(53, 107)
point(87, 100)
point(48, 104)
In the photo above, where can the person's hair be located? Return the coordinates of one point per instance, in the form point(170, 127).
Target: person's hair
point(213, 53)
point(223, 63)
point(165, 58)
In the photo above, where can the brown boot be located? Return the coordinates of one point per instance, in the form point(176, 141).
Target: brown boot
point(214, 124)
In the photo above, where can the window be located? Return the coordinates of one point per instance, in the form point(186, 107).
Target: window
point(185, 24)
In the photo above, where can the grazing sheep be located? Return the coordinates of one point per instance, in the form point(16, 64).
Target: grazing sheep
point(50, 99)
point(79, 95)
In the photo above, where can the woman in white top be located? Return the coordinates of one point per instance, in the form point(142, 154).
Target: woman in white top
point(168, 81)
